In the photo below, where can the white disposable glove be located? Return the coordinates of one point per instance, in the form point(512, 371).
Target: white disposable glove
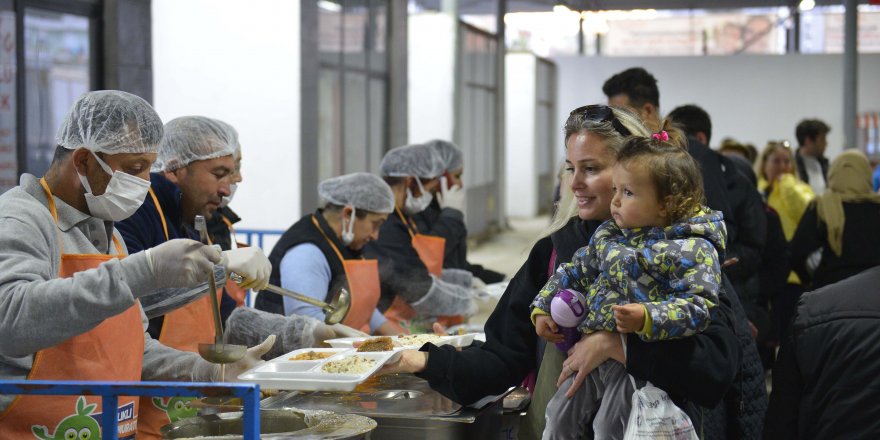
point(182, 263)
point(478, 284)
point(250, 360)
point(323, 332)
point(251, 264)
point(450, 197)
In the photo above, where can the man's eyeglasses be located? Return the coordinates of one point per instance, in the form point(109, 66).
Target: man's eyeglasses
point(601, 113)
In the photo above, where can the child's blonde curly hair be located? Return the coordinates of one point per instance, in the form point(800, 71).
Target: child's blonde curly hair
point(675, 174)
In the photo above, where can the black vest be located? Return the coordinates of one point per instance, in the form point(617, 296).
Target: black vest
point(304, 231)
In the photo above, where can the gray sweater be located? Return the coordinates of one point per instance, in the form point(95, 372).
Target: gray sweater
point(39, 310)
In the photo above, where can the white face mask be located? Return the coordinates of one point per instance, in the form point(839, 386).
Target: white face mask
point(227, 199)
point(348, 233)
point(124, 194)
point(415, 205)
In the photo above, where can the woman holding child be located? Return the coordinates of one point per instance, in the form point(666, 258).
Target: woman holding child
point(698, 369)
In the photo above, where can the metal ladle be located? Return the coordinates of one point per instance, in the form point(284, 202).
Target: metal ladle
point(333, 313)
point(218, 352)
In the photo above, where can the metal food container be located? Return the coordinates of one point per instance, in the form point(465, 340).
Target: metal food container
point(274, 424)
point(404, 407)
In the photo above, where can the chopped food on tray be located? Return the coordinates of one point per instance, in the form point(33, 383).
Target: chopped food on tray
point(382, 343)
point(417, 339)
point(312, 356)
point(349, 365)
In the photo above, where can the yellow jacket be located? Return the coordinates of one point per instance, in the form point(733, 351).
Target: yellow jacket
point(790, 198)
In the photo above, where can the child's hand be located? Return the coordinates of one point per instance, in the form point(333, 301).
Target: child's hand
point(547, 329)
point(630, 317)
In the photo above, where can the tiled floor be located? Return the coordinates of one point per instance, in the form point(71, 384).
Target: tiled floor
point(507, 251)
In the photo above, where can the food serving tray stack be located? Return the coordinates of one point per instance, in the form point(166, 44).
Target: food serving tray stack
point(340, 368)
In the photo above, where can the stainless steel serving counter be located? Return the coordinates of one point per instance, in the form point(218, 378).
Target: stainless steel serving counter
point(404, 407)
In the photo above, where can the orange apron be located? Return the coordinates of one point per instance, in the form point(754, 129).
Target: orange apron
point(184, 329)
point(232, 288)
point(363, 285)
point(112, 351)
point(431, 251)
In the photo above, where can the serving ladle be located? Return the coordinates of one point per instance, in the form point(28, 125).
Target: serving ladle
point(334, 312)
point(218, 352)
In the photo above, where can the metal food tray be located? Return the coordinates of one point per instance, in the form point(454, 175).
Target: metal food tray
point(454, 340)
point(282, 373)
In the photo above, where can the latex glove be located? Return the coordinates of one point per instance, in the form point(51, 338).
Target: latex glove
point(251, 359)
point(182, 263)
point(478, 284)
point(323, 332)
point(450, 197)
point(251, 264)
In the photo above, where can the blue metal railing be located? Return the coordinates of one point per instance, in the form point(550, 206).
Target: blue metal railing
point(256, 236)
point(249, 393)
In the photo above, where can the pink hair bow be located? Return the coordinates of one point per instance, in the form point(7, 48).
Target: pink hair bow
point(662, 136)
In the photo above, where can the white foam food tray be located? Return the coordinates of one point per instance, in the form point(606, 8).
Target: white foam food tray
point(409, 341)
point(282, 373)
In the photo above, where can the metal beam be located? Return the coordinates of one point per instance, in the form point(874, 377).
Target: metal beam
point(850, 74)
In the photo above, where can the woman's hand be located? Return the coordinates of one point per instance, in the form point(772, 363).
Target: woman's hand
point(587, 354)
point(547, 329)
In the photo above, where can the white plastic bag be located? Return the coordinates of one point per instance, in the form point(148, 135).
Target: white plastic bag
point(654, 416)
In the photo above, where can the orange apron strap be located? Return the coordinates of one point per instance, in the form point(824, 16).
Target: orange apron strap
point(161, 214)
point(431, 251)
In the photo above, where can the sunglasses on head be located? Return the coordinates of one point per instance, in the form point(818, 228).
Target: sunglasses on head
point(601, 113)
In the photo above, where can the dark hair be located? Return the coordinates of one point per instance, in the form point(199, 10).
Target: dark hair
point(692, 119)
point(637, 84)
point(674, 173)
point(61, 154)
point(810, 128)
point(359, 213)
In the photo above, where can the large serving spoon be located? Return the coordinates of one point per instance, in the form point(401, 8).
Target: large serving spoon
point(218, 352)
point(334, 312)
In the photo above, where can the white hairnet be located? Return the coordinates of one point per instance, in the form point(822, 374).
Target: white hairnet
point(191, 138)
point(417, 160)
point(449, 153)
point(112, 122)
point(231, 135)
point(361, 190)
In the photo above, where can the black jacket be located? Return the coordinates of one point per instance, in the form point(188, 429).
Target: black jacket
point(304, 231)
point(731, 191)
point(144, 230)
point(703, 366)
point(825, 382)
point(219, 230)
point(861, 244)
point(449, 224)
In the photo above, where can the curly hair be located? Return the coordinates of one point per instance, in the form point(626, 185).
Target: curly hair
point(675, 174)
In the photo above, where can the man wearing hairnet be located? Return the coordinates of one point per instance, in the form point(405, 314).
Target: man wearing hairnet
point(220, 227)
point(192, 174)
point(415, 287)
point(69, 288)
point(444, 217)
point(322, 252)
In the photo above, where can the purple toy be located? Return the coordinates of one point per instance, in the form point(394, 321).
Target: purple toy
point(568, 308)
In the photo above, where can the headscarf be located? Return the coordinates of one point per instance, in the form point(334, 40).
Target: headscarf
point(849, 180)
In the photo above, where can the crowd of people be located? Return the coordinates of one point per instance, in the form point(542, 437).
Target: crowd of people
point(667, 264)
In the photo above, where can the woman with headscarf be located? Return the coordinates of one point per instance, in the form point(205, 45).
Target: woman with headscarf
point(842, 222)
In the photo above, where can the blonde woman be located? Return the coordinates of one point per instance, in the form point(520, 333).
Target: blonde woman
point(788, 196)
